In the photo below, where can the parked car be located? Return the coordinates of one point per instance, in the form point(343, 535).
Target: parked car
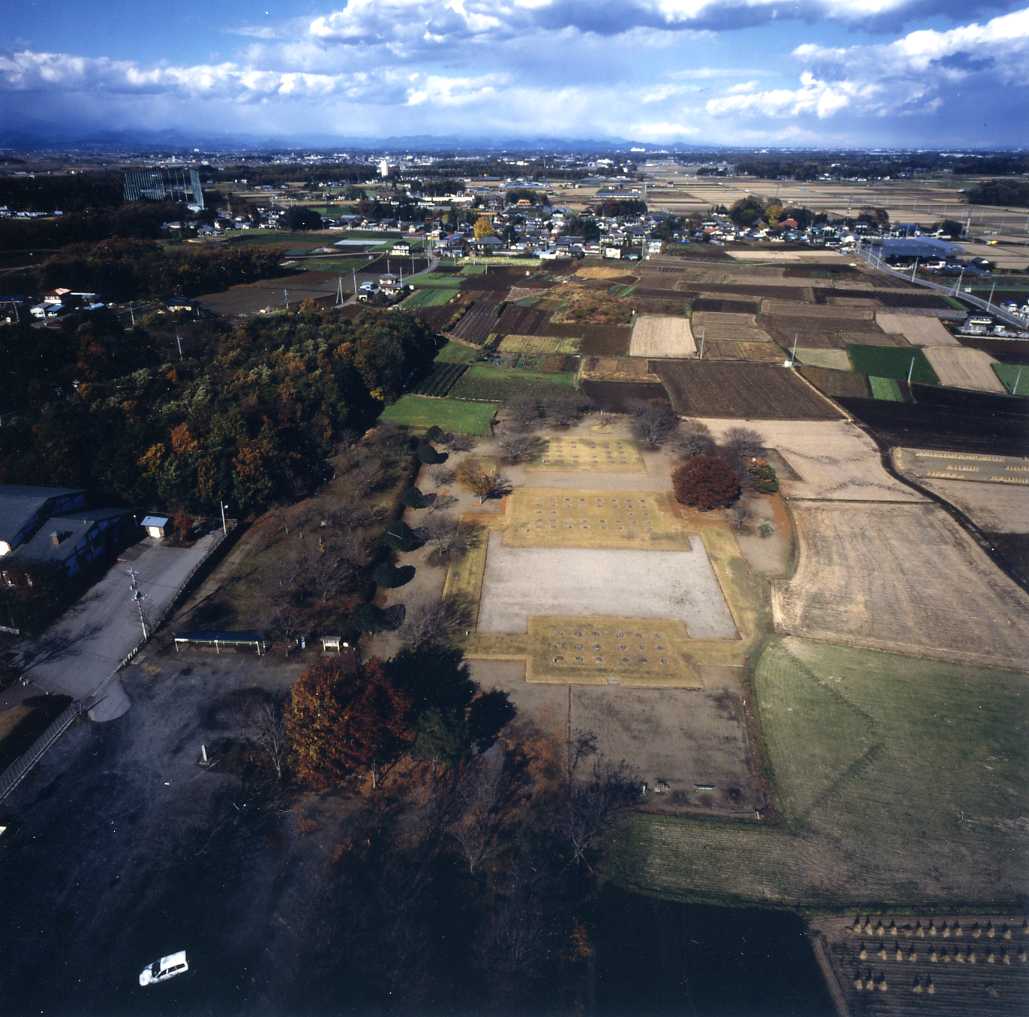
point(161, 970)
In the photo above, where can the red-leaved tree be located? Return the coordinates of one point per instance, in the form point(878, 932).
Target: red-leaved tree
point(706, 482)
point(344, 726)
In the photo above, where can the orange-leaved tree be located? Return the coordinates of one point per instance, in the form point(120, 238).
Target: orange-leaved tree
point(706, 482)
point(345, 725)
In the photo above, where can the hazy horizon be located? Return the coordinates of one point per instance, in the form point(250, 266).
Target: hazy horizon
point(818, 73)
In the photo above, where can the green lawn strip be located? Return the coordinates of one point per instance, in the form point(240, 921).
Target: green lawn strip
point(1009, 374)
point(485, 381)
point(900, 781)
point(473, 270)
point(429, 296)
point(834, 360)
point(892, 362)
point(422, 412)
point(455, 353)
point(886, 388)
point(445, 279)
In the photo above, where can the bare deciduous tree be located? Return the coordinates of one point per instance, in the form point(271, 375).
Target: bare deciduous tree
point(694, 439)
point(653, 423)
point(449, 538)
point(438, 623)
point(520, 448)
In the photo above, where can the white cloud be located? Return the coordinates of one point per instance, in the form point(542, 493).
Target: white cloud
point(438, 90)
point(820, 98)
point(662, 131)
point(28, 70)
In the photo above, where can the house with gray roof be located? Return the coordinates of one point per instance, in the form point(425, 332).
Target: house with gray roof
point(24, 509)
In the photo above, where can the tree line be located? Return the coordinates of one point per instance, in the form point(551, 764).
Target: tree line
point(250, 420)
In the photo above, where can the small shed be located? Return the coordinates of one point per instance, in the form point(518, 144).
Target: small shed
point(155, 526)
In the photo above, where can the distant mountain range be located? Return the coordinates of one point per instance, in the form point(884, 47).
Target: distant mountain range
point(34, 135)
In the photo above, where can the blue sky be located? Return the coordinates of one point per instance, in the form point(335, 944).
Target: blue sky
point(747, 72)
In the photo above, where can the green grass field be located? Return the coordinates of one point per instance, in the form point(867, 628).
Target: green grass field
point(899, 781)
point(449, 280)
point(473, 270)
point(892, 362)
point(455, 353)
point(1009, 375)
point(428, 296)
point(421, 412)
point(498, 384)
point(886, 388)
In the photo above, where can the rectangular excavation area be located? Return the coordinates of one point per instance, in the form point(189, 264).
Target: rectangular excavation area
point(524, 582)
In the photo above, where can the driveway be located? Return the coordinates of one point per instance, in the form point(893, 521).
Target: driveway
point(85, 647)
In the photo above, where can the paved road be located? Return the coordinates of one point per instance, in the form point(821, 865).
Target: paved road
point(103, 627)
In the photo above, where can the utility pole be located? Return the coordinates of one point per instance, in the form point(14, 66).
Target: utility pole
point(354, 270)
point(132, 316)
point(138, 596)
point(961, 277)
point(285, 299)
point(989, 299)
point(225, 528)
point(339, 291)
point(911, 369)
point(914, 270)
point(178, 342)
point(1018, 378)
point(701, 344)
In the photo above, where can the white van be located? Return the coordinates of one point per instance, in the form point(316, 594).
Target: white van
point(163, 969)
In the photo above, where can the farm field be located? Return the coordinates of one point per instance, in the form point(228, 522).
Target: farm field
point(950, 952)
point(440, 380)
point(728, 326)
point(826, 334)
point(918, 329)
point(892, 362)
point(835, 360)
point(250, 298)
point(455, 353)
point(705, 388)
point(872, 575)
point(994, 508)
point(886, 388)
point(617, 369)
point(836, 383)
point(878, 761)
point(538, 344)
point(479, 321)
point(428, 297)
point(598, 340)
point(1015, 381)
point(587, 453)
point(498, 384)
point(826, 460)
point(757, 352)
point(422, 412)
point(447, 280)
point(661, 336)
point(963, 466)
point(959, 367)
point(622, 396)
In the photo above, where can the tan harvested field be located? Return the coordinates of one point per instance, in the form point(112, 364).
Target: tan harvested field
point(832, 460)
point(729, 327)
point(756, 352)
point(660, 335)
point(836, 312)
point(996, 508)
point(904, 578)
point(835, 360)
point(539, 344)
point(617, 369)
point(676, 737)
point(884, 964)
point(918, 329)
point(959, 367)
point(602, 272)
point(771, 254)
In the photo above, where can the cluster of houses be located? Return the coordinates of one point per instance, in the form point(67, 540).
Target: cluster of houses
point(52, 529)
